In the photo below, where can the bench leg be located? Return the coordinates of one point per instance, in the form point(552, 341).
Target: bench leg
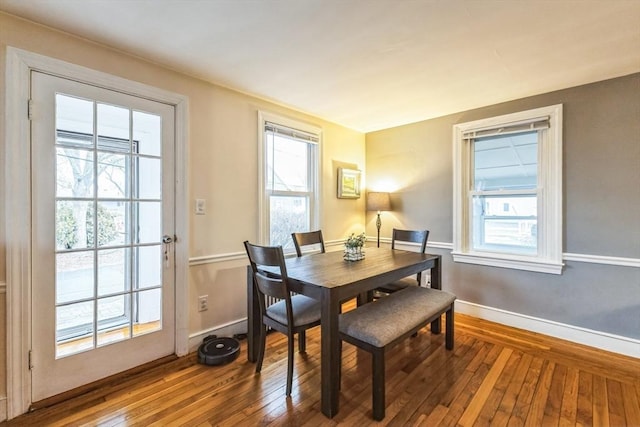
point(449, 329)
point(378, 384)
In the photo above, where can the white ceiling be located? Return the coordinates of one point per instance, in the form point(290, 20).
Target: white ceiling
point(366, 64)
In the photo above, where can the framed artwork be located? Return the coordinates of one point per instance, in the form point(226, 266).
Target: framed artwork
point(348, 183)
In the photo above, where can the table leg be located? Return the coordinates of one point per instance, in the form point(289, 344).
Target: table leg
point(436, 283)
point(330, 357)
point(253, 318)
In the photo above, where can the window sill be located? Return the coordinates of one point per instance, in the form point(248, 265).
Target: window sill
point(513, 262)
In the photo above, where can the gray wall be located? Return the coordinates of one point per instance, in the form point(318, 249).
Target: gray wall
point(601, 206)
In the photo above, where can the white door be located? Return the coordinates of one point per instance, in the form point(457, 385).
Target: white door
point(103, 292)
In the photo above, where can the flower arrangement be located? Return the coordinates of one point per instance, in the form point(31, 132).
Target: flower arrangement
point(353, 247)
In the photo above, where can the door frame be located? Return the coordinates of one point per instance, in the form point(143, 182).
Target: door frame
point(17, 201)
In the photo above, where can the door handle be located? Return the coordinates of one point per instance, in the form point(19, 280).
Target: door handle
point(167, 239)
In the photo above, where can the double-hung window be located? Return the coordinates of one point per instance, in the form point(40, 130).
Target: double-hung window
point(289, 168)
point(508, 191)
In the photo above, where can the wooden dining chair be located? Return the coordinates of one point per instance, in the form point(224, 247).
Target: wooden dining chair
point(291, 315)
point(307, 238)
point(407, 236)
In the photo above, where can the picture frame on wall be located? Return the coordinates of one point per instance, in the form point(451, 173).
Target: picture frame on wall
point(348, 183)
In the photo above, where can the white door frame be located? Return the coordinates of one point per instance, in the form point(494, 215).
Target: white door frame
point(18, 206)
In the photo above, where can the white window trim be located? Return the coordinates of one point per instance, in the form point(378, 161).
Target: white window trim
point(549, 258)
point(263, 214)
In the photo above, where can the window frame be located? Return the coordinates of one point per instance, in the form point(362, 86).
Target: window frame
point(314, 177)
point(549, 190)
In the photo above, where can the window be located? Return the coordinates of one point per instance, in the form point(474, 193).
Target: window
point(508, 191)
point(289, 167)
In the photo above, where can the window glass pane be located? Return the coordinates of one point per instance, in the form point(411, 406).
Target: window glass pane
point(148, 311)
point(114, 272)
point(74, 276)
point(74, 173)
point(113, 128)
point(149, 184)
point(146, 133)
point(74, 121)
point(74, 328)
point(287, 163)
point(113, 319)
point(113, 223)
point(72, 226)
point(149, 216)
point(505, 224)
point(506, 162)
point(288, 215)
point(149, 266)
point(113, 176)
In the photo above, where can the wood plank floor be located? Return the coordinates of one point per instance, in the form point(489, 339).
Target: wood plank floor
point(495, 376)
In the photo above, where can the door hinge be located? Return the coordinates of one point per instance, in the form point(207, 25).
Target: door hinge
point(30, 109)
point(30, 359)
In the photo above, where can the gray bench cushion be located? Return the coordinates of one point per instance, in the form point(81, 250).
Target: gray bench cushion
point(380, 322)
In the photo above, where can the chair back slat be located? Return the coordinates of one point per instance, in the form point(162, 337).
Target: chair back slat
point(411, 236)
point(271, 286)
point(306, 239)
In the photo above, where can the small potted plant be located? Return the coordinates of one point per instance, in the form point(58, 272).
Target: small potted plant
point(353, 247)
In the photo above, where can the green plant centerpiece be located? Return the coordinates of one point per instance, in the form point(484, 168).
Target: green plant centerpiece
point(353, 247)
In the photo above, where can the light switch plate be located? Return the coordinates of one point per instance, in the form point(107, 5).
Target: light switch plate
point(201, 206)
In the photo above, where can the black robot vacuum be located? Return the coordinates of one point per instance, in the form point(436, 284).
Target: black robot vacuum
point(218, 351)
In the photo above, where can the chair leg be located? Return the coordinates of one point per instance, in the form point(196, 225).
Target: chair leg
point(378, 384)
point(449, 329)
point(263, 344)
point(289, 363)
point(302, 341)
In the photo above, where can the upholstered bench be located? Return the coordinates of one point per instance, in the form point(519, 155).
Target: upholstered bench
point(379, 325)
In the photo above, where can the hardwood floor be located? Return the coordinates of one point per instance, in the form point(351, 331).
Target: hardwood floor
point(495, 375)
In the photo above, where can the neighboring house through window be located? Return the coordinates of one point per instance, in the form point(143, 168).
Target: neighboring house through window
point(289, 185)
point(508, 191)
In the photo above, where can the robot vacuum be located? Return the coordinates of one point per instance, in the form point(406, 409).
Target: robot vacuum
point(218, 351)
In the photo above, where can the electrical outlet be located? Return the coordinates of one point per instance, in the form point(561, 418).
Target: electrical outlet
point(203, 302)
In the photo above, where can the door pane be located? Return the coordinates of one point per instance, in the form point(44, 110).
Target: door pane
point(149, 178)
point(74, 172)
point(113, 175)
point(149, 266)
point(148, 309)
point(74, 328)
point(113, 128)
point(146, 133)
point(113, 319)
point(72, 220)
point(74, 276)
point(114, 273)
point(149, 230)
point(113, 224)
point(74, 121)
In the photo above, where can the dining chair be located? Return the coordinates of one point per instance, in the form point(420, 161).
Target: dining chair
point(292, 314)
point(307, 238)
point(407, 236)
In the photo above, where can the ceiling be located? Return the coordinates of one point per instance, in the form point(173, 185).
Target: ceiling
point(366, 64)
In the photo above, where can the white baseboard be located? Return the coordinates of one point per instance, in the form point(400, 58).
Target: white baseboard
point(597, 339)
point(225, 330)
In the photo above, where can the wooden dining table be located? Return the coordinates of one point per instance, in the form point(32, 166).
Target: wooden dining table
point(331, 280)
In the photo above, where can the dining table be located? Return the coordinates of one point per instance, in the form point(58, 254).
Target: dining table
point(331, 280)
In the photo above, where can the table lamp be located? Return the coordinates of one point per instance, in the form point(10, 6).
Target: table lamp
point(378, 202)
